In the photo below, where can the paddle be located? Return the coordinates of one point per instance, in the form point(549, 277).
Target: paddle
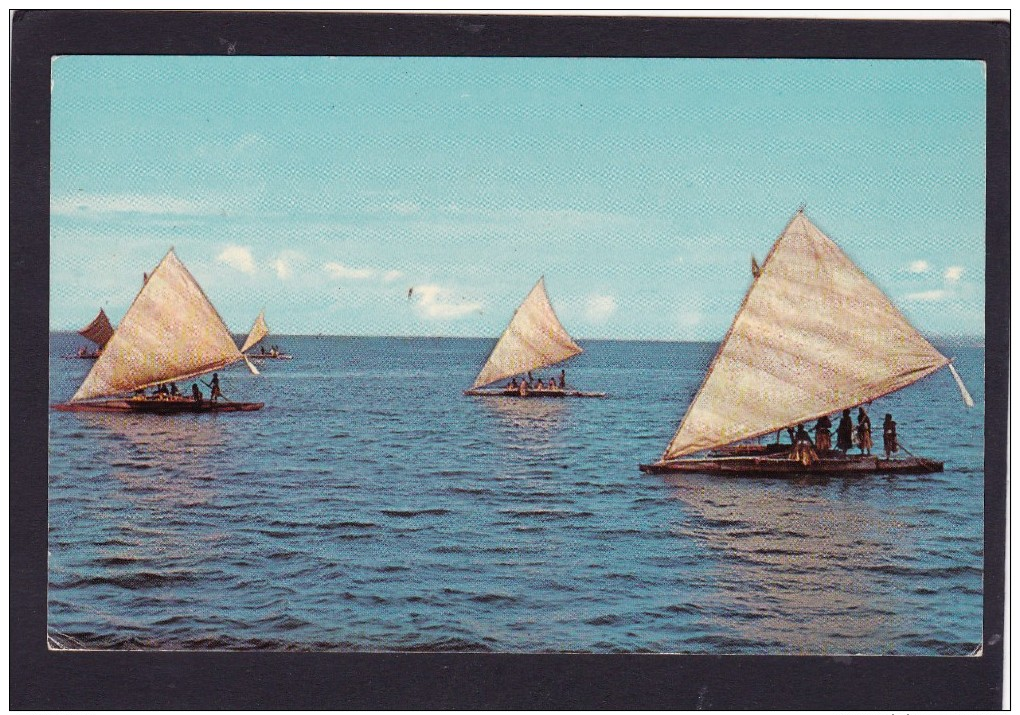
point(210, 391)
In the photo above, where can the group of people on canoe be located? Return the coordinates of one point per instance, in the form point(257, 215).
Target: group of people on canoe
point(169, 391)
point(847, 437)
point(272, 352)
point(529, 384)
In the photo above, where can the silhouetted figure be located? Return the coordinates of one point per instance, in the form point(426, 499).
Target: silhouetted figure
point(214, 387)
point(196, 392)
point(563, 379)
point(889, 436)
point(845, 432)
point(823, 436)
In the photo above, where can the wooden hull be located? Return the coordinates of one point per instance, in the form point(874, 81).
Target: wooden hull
point(158, 407)
point(258, 356)
point(551, 394)
point(756, 466)
point(93, 356)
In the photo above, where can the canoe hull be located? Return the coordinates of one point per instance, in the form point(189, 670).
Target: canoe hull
point(550, 394)
point(257, 356)
point(158, 407)
point(785, 468)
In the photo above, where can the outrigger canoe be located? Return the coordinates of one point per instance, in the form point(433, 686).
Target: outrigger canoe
point(512, 394)
point(813, 337)
point(534, 339)
point(151, 405)
point(153, 346)
point(767, 462)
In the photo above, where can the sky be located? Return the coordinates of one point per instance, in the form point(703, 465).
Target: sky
point(323, 189)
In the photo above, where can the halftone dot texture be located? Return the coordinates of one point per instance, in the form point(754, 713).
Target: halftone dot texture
point(423, 196)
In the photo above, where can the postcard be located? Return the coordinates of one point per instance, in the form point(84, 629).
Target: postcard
point(517, 355)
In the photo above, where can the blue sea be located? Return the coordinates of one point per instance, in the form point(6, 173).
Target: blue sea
point(371, 506)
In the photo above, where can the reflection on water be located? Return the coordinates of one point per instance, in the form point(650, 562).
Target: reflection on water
point(534, 425)
point(799, 563)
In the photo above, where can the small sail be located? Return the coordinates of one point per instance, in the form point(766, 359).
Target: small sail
point(813, 336)
point(258, 331)
point(99, 330)
point(170, 332)
point(534, 339)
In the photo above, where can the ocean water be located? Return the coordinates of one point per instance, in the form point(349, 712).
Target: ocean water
point(372, 506)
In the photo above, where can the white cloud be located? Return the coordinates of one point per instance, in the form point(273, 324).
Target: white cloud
point(928, 295)
point(284, 263)
point(84, 204)
point(953, 273)
point(342, 272)
point(282, 268)
point(599, 308)
point(435, 301)
point(918, 266)
point(239, 258)
point(390, 276)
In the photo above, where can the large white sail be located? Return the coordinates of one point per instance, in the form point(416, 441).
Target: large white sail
point(99, 330)
point(170, 332)
point(813, 336)
point(534, 339)
point(258, 331)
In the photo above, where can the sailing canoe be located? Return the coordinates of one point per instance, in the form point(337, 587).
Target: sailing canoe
point(170, 333)
point(99, 332)
point(534, 339)
point(259, 330)
point(814, 336)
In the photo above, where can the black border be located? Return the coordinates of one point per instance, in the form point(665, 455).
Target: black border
point(124, 680)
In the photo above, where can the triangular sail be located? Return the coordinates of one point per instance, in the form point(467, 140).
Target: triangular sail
point(99, 330)
point(170, 332)
point(258, 331)
point(534, 339)
point(813, 336)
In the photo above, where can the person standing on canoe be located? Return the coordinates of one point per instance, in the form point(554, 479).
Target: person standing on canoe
point(823, 438)
point(196, 392)
point(214, 387)
point(889, 436)
point(845, 432)
point(863, 431)
point(563, 379)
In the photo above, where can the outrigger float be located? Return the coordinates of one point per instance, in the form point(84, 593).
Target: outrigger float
point(535, 339)
point(170, 333)
point(814, 336)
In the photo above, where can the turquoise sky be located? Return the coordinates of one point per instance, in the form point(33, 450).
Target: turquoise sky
point(322, 189)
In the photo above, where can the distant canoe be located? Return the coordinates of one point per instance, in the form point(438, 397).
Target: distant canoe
point(516, 394)
point(535, 339)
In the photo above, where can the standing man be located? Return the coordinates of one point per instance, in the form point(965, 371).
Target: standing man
point(863, 431)
point(845, 432)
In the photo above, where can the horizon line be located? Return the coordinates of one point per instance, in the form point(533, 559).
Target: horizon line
point(930, 336)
